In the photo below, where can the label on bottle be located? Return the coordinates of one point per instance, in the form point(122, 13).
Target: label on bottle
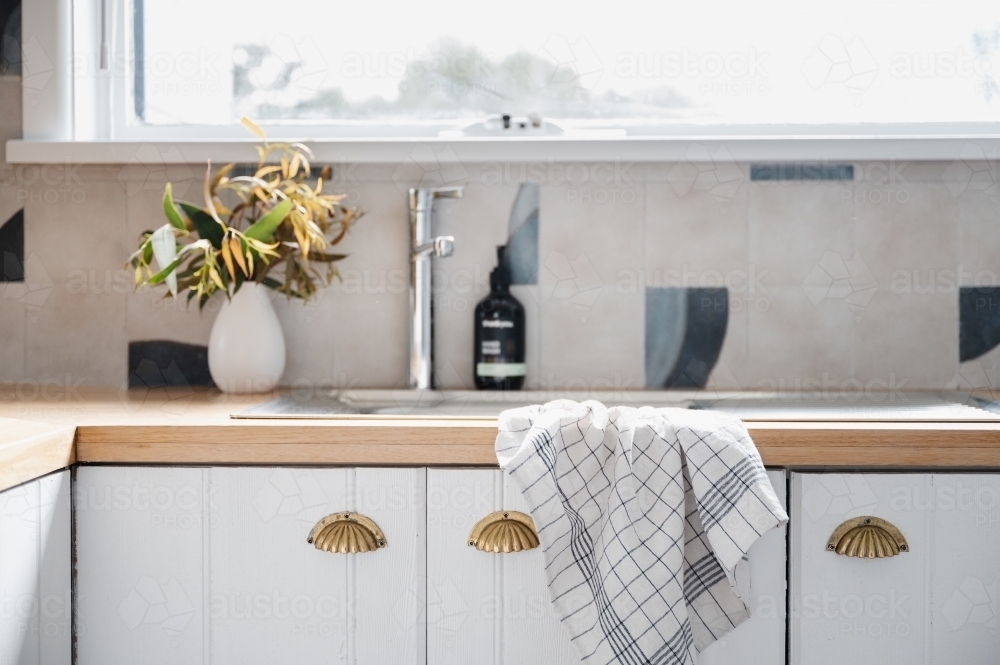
point(501, 369)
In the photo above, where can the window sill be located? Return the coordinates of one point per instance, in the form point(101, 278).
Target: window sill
point(545, 149)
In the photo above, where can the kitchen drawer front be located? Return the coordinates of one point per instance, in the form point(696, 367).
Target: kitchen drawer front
point(491, 609)
point(141, 579)
point(935, 602)
point(276, 598)
point(35, 569)
point(213, 565)
point(760, 640)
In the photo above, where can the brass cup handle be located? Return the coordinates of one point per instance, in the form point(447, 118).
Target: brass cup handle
point(504, 532)
point(867, 537)
point(346, 533)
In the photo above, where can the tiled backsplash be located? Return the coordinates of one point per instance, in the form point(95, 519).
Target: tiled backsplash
point(835, 285)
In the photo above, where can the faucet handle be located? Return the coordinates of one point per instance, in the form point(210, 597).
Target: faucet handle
point(448, 192)
point(444, 246)
point(440, 247)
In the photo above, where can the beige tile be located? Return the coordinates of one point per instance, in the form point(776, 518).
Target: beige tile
point(892, 173)
point(692, 240)
point(793, 224)
point(77, 239)
point(913, 235)
point(370, 338)
point(604, 239)
point(979, 229)
point(12, 321)
point(153, 314)
point(730, 371)
point(78, 335)
point(908, 337)
point(380, 239)
point(794, 344)
point(309, 339)
point(370, 302)
point(10, 109)
point(596, 347)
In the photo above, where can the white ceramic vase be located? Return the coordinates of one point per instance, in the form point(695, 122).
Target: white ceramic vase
point(246, 350)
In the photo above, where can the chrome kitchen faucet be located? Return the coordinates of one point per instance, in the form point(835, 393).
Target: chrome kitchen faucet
point(422, 247)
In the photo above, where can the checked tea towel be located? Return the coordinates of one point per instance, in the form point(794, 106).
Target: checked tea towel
point(645, 516)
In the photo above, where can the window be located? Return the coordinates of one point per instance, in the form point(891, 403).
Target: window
point(639, 67)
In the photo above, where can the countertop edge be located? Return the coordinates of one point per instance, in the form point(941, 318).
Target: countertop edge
point(30, 450)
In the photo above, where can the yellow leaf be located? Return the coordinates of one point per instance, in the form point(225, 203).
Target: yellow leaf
point(267, 170)
point(227, 257)
point(207, 191)
point(237, 250)
point(253, 128)
point(220, 177)
point(284, 167)
point(214, 274)
point(294, 167)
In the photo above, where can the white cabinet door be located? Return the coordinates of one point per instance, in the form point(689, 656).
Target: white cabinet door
point(141, 548)
point(935, 603)
point(35, 572)
point(276, 598)
point(182, 565)
point(484, 608)
point(965, 553)
point(760, 640)
point(850, 610)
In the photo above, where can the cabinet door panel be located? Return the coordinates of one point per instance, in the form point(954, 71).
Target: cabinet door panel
point(463, 584)
point(141, 551)
point(847, 609)
point(760, 640)
point(35, 572)
point(388, 598)
point(965, 556)
point(531, 631)
point(276, 598)
point(485, 608)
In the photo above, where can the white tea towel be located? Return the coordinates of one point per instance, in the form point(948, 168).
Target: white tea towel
point(645, 516)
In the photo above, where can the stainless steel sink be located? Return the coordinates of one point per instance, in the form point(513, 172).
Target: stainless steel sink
point(749, 406)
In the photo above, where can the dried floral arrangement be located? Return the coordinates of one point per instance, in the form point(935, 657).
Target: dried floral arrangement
point(278, 219)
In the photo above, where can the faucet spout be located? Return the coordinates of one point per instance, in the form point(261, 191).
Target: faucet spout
point(424, 246)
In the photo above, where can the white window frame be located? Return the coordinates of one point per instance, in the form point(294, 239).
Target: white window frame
point(65, 120)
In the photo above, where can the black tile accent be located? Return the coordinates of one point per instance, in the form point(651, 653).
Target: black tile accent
point(707, 319)
point(10, 37)
point(12, 248)
point(160, 363)
point(801, 171)
point(978, 320)
point(522, 242)
point(685, 329)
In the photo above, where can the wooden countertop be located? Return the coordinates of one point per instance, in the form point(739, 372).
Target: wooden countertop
point(45, 431)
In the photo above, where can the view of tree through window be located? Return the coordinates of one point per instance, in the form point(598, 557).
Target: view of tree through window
point(773, 61)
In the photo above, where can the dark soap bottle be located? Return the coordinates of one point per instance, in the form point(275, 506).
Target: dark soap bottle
point(499, 346)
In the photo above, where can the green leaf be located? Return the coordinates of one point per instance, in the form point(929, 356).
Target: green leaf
point(207, 228)
point(170, 210)
point(264, 227)
point(271, 283)
point(166, 272)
